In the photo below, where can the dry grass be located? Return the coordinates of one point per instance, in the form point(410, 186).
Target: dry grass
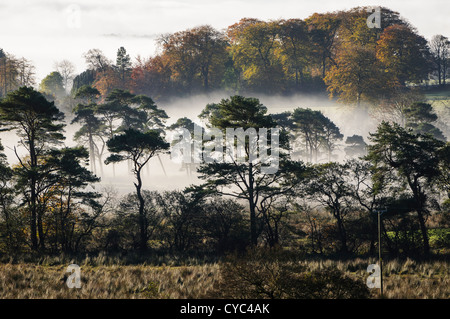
point(402, 279)
point(407, 279)
point(107, 282)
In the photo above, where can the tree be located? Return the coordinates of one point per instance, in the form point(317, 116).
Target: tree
point(10, 221)
point(353, 27)
point(197, 53)
point(254, 47)
point(8, 72)
point(404, 54)
point(53, 85)
point(124, 234)
point(328, 184)
point(295, 48)
point(323, 29)
point(316, 131)
point(357, 76)
point(66, 69)
point(186, 123)
point(224, 224)
point(368, 191)
point(25, 73)
point(96, 60)
point(108, 80)
point(331, 135)
point(356, 146)
point(419, 117)
point(86, 77)
point(123, 64)
point(183, 213)
point(35, 119)
point(440, 50)
point(70, 200)
point(394, 105)
point(246, 180)
point(413, 158)
point(138, 147)
point(92, 126)
point(153, 76)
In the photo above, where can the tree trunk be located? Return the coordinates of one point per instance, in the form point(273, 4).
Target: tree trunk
point(423, 229)
point(420, 202)
point(342, 233)
point(33, 196)
point(253, 232)
point(142, 226)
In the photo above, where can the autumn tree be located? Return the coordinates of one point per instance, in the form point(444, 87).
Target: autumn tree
point(356, 77)
point(323, 29)
point(254, 48)
point(295, 48)
point(404, 54)
point(8, 72)
point(153, 76)
point(196, 54)
point(353, 29)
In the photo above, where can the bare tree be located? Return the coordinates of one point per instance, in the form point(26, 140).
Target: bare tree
point(440, 48)
point(96, 60)
point(67, 71)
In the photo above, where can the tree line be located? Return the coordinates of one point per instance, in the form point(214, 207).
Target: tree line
point(333, 52)
point(49, 202)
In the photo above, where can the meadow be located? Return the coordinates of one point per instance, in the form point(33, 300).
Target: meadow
point(103, 278)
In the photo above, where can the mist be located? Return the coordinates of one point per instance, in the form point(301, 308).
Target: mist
point(162, 173)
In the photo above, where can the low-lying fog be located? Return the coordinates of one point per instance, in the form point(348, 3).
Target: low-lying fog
point(162, 173)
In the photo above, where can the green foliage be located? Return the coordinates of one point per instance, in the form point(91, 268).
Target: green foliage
point(419, 117)
point(151, 291)
point(53, 84)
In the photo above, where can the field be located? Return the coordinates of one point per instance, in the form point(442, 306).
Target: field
point(406, 279)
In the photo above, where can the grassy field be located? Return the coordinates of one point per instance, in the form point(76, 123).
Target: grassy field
point(402, 279)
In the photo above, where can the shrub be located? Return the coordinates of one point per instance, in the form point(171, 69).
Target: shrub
point(275, 274)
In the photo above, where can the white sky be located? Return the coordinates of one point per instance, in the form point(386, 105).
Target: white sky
point(50, 30)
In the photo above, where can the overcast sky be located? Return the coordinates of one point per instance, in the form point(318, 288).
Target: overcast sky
point(49, 31)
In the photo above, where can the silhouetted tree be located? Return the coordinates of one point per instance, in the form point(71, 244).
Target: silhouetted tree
point(138, 147)
point(35, 120)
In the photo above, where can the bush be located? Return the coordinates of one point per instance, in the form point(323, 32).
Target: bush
point(275, 274)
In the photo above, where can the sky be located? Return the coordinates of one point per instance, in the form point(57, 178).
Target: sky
point(49, 31)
